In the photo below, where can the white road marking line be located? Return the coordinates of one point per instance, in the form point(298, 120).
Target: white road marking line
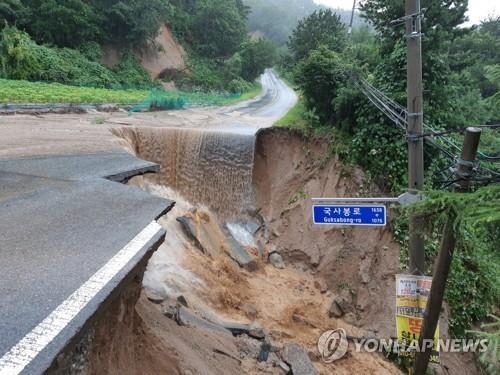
point(20, 355)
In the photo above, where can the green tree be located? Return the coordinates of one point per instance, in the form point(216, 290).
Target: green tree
point(321, 76)
point(131, 22)
point(10, 11)
point(257, 55)
point(323, 27)
point(62, 22)
point(491, 25)
point(219, 28)
point(493, 74)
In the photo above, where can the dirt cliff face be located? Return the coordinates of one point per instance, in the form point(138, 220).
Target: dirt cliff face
point(357, 264)
point(165, 54)
point(288, 172)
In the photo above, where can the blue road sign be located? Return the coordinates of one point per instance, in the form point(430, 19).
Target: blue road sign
point(339, 214)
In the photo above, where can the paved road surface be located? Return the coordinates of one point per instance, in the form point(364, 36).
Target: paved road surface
point(69, 233)
point(60, 222)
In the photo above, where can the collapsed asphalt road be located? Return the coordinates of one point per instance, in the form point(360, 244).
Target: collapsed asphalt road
point(68, 237)
point(69, 233)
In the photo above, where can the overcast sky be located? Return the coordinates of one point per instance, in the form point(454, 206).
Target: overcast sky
point(478, 9)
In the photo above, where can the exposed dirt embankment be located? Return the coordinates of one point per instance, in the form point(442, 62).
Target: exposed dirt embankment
point(163, 55)
point(288, 172)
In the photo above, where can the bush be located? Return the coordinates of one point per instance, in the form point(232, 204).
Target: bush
point(204, 75)
point(130, 74)
point(17, 59)
point(321, 76)
point(238, 86)
point(22, 58)
point(473, 287)
point(91, 51)
point(233, 66)
point(257, 55)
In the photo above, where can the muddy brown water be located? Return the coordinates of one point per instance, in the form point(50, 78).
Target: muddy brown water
point(207, 167)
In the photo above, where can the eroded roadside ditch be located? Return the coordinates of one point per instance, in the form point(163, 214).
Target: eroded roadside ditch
point(244, 282)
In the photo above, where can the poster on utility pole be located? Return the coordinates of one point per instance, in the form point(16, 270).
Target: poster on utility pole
point(412, 293)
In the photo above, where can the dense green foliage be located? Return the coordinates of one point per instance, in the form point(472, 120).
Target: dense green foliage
point(461, 82)
point(71, 23)
point(22, 58)
point(256, 55)
point(491, 332)
point(222, 56)
point(322, 28)
point(474, 281)
point(321, 76)
point(60, 41)
point(218, 28)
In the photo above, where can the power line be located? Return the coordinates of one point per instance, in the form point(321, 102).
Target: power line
point(399, 115)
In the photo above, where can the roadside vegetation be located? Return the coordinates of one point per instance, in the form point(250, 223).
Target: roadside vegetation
point(61, 42)
point(20, 91)
point(461, 80)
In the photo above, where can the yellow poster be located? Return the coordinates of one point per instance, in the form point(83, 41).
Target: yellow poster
point(412, 293)
point(408, 335)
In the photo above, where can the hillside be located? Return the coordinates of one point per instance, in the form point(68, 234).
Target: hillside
point(202, 45)
point(276, 19)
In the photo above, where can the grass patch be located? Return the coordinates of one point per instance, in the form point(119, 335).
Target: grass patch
point(18, 91)
point(295, 119)
point(247, 95)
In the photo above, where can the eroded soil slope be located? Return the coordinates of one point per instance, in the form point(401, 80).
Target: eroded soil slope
point(288, 172)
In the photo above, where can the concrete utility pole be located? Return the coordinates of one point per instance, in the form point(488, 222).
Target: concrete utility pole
point(415, 128)
point(468, 156)
point(349, 31)
point(443, 261)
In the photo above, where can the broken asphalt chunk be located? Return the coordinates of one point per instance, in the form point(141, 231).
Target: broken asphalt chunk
point(296, 356)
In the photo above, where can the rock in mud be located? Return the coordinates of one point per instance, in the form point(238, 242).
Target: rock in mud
point(321, 285)
point(154, 297)
point(342, 304)
point(276, 260)
point(265, 349)
point(187, 318)
point(256, 331)
point(208, 236)
point(302, 320)
point(182, 300)
point(170, 309)
point(335, 311)
point(248, 347)
point(190, 229)
point(283, 366)
point(240, 255)
point(296, 356)
point(249, 310)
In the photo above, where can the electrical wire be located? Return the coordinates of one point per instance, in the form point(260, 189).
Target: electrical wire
point(399, 115)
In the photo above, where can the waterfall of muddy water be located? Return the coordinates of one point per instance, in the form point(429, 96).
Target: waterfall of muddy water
point(207, 167)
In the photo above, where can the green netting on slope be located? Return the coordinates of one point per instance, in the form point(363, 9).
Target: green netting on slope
point(160, 100)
